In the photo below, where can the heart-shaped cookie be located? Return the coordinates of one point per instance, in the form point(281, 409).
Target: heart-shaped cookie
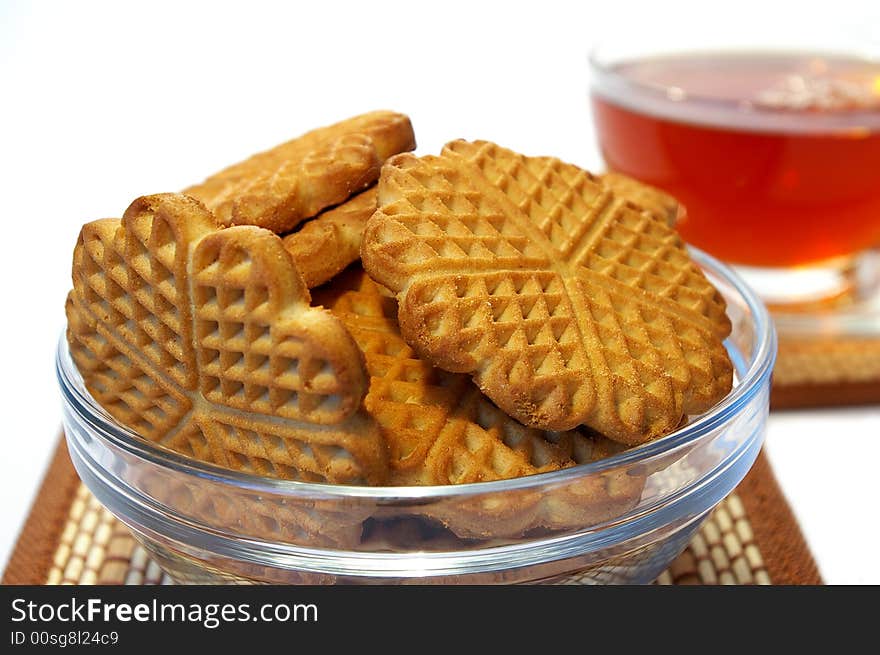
point(567, 304)
point(203, 339)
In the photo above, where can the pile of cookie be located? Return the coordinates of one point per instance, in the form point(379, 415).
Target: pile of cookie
point(338, 309)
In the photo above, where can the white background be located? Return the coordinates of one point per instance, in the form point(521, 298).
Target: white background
point(103, 102)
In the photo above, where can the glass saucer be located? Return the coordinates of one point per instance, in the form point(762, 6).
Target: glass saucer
point(852, 314)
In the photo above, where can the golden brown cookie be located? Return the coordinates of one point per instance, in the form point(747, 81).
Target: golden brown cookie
point(328, 243)
point(566, 304)
point(203, 340)
point(279, 188)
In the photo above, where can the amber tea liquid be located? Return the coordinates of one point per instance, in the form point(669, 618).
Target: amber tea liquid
point(776, 157)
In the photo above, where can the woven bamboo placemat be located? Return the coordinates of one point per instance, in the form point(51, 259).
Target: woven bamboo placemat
point(69, 538)
point(829, 351)
point(826, 371)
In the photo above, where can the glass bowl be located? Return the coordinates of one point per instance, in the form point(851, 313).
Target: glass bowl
point(621, 519)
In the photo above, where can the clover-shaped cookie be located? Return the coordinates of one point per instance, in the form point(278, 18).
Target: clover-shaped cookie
point(567, 304)
point(203, 339)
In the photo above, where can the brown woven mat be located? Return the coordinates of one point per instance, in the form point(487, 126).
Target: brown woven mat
point(69, 538)
point(823, 371)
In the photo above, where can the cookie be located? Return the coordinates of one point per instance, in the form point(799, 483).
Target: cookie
point(566, 304)
point(203, 340)
point(281, 187)
point(328, 243)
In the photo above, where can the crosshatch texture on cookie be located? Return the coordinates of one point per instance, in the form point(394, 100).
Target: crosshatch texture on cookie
point(203, 340)
point(567, 304)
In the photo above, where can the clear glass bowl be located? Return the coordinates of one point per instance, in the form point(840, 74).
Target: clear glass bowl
point(622, 519)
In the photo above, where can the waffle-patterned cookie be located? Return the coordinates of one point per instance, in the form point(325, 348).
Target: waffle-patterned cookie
point(643, 195)
point(438, 427)
point(328, 243)
point(203, 340)
point(279, 188)
point(568, 305)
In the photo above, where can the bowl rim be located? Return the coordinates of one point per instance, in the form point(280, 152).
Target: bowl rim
point(759, 368)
